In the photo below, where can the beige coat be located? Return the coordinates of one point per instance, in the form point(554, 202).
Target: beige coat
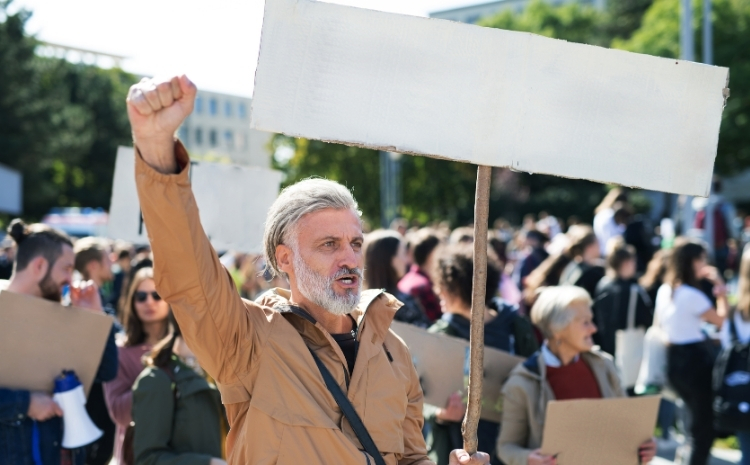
point(279, 409)
point(525, 405)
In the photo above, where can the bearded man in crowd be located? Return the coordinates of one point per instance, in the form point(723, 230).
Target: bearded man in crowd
point(265, 355)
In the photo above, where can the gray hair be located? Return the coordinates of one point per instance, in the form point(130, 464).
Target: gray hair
point(551, 313)
point(294, 202)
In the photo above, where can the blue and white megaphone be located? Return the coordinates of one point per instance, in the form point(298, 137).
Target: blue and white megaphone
point(79, 429)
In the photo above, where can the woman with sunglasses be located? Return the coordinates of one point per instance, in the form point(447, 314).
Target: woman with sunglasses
point(146, 321)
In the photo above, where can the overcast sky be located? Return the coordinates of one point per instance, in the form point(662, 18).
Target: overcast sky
point(216, 45)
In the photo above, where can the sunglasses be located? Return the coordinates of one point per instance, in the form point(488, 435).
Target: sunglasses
point(141, 296)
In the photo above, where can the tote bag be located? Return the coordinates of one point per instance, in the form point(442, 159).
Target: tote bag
point(629, 344)
point(652, 376)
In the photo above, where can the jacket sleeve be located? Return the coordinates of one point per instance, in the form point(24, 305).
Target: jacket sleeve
point(153, 413)
point(110, 363)
point(118, 394)
point(511, 445)
point(415, 449)
point(213, 318)
point(13, 404)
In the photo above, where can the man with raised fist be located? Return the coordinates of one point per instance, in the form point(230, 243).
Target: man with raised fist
point(289, 364)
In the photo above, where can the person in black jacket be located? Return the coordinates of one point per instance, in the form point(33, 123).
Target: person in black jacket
point(615, 293)
point(43, 266)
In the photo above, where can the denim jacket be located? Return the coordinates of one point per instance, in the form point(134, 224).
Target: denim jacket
point(16, 429)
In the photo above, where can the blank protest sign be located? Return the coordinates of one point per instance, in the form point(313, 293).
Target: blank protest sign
point(487, 96)
point(233, 201)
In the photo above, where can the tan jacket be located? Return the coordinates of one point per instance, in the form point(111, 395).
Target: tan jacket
point(525, 405)
point(279, 409)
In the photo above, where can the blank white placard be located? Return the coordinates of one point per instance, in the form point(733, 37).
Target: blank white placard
point(487, 96)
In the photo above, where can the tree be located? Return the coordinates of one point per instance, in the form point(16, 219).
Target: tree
point(432, 189)
point(60, 123)
point(659, 35)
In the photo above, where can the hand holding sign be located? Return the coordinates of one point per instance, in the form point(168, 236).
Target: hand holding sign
point(156, 108)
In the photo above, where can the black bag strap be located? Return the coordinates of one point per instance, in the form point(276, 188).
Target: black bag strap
point(349, 412)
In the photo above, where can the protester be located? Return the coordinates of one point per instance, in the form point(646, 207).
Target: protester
point(257, 352)
point(615, 294)
point(739, 318)
point(532, 256)
point(567, 367)
point(504, 329)
point(177, 413)
point(578, 264)
point(93, 262)
point(507, 289)
point(385, 264)
point(681, 309)
point(655, 272)
point(7, 255)
point(605, 226)
point(714, 219)
point(417, 282)
point(122, 257)
point(43, 266)
point(146, 323)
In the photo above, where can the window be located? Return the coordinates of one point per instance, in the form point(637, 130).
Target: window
point(242, 110)
point(199, 105)
point(213, 107)
point(229, 139)
point(228, 109)
point(212, 139)
point(199, 136)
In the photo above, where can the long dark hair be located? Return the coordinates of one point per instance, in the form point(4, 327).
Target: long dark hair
point(380, 248)
point(161, 353)
point(133, 325)
point(680, 269)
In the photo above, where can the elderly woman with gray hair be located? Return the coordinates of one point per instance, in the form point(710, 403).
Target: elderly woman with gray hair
point(567, 367)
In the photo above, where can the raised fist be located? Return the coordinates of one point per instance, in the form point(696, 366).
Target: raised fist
point(156, 108)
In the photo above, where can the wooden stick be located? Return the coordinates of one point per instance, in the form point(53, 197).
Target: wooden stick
point(476, 344)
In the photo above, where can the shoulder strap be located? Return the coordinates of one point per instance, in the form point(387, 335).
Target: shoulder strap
point(169, 370)
point(349, 412)
point(632, 302)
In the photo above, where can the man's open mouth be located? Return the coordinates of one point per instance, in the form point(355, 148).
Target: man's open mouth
point(348, 280)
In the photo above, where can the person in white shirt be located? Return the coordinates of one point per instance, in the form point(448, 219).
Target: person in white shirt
point(740, 317)
point(681, 310)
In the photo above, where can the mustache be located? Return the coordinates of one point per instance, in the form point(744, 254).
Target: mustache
point(346, 271)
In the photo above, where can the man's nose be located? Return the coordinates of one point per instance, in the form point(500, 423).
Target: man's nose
point(350, 258)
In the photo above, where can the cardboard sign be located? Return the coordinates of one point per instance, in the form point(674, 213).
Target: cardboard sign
point(596, 431)
point(233, 201)
point(39, 339)
point(487, 96)
point(440, 362)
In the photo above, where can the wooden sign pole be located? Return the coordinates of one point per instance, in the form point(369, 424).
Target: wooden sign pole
point(476, 347)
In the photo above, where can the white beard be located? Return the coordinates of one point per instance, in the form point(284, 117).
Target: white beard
point(319, 289)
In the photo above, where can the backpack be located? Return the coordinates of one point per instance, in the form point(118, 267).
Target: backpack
point(731, 384)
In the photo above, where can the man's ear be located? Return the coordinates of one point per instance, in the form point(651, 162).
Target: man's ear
point(39, 267)
point(284, 258)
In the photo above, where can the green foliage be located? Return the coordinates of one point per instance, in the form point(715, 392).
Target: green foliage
point(432, 189)
point(60, 123)
point(659, 36)
point(573, 22)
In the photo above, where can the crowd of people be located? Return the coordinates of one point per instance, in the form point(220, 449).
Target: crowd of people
point(559, 299)
point(201, 342)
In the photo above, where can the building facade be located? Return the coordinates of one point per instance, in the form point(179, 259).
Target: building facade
point(219, 127)
point(473, 13)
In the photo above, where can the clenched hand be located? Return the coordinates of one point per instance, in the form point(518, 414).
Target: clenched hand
point(156, 108)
